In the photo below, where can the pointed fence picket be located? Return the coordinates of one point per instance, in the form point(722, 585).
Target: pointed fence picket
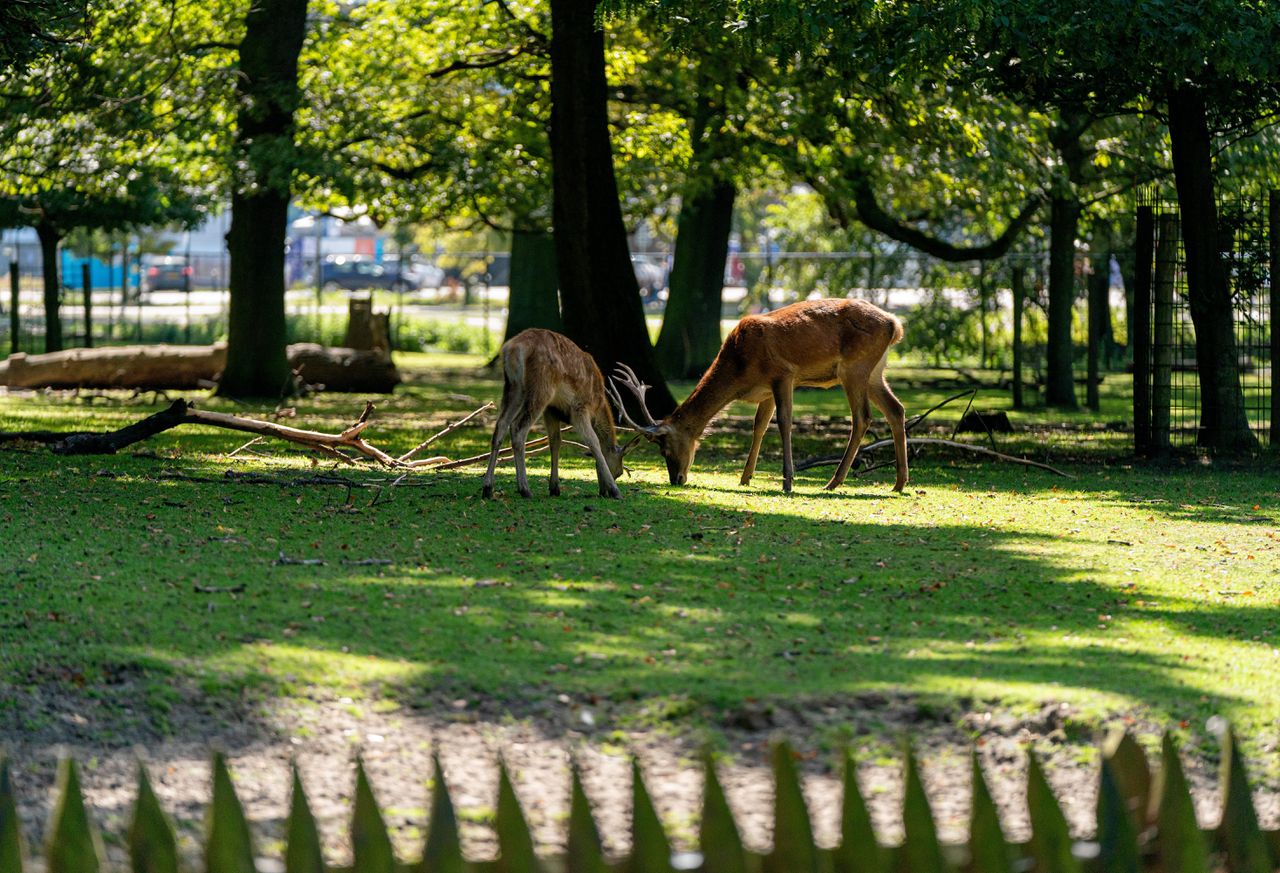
point(1146, 823)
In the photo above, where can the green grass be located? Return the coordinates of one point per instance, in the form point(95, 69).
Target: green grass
point(1129, 590)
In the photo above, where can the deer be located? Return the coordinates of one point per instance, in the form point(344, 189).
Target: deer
point(819, 343)
point(546, 375)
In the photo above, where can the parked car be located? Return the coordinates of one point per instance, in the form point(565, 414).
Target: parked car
point(168, 274)
point(359, 276)
point(415, 271)
point(651, 276)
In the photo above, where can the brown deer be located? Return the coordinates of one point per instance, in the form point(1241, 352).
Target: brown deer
point(819, 343)
point(545, 375)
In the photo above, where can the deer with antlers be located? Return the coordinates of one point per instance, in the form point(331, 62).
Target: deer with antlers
point(818, 343)
point(546, 376)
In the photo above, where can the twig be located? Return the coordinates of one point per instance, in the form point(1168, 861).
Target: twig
point(832, 460)
point(448, 430)
point(531, 447)
point(251, 442)
point(368, 562)
point(210, 589)
point(309, 562)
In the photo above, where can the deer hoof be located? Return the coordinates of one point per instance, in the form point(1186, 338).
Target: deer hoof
point(786, 486)
point(525, 492)
point(487, 493)
point(555, 489)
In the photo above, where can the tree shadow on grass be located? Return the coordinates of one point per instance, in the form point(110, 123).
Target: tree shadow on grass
point(715, 598)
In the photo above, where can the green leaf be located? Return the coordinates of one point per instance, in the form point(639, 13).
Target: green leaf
point(230, 846)
point(859, 851)
point(371, 850)
point(515, 843)
point(72, 845)
point(921, 854)
point(1132, 775)
point(989, 851)
point(443, 852)
point(153, 847)
point(1247, 849)
point(794, 850)
point(650, 851)
point(1117, 837)
point(584, 852)
point(1050, 845)
point(302, 852)
point(10, 827)
point(719, 840)
point(1180, 842)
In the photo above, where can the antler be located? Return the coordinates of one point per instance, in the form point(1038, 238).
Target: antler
point(628, 377)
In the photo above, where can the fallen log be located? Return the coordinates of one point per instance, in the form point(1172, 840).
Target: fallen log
point(164, 366)
point(181, 412)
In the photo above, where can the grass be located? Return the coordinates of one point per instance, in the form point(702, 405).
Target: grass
point(1129, 591)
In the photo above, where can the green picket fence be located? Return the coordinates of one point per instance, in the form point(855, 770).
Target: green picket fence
point(1145, 822)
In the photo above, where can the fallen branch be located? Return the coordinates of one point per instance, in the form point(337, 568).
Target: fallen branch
point(404, 459)
point(210, 589)
point(181, 412)
point(306, 562)
point(832, 460)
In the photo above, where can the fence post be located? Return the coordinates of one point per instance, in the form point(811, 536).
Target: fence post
point(1162, 347)
point(1140, 329)
point(1017, 280)
point(14, 323)
point(1273, 236)
point(86, 283)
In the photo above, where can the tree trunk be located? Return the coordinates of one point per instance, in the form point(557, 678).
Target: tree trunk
point(600, 298)
point(1064, 220)
point(1223, 422)
point(535, 293)
point(267, 93)
point(49, 238)
point(690, 337)
point(1100, 335)
point(1018, 288)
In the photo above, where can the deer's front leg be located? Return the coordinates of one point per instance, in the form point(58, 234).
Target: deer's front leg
point(552, 426)
point(763, 413)
point(782, 390)
point(608, 486)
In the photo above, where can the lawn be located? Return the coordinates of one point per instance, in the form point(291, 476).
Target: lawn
point(1132, 592)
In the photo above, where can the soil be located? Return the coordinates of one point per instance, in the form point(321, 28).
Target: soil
point(40, 724)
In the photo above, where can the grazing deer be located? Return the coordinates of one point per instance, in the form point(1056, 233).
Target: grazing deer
point(817, 343)
point(546, 376)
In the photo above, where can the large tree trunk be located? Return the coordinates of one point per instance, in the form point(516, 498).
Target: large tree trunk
point(534, 290)
point(49, 239)
point(1223, 423)
point(600, 298)
point(267, 92)
point(1064, 221)
point(690, 337)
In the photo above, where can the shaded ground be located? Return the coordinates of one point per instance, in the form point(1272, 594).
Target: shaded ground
point(975, 606)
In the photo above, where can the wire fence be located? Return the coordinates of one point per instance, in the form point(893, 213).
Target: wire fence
point(1169, 369)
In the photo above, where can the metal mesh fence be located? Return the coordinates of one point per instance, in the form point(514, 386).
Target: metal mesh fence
point(1175, 410)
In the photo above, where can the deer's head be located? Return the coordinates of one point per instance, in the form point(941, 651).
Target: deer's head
point(676, 445)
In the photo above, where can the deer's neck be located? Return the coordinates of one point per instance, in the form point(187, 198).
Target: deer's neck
point(716, 390)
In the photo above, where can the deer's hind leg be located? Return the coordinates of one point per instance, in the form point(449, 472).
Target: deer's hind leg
point(511, 403)
point(855, 390)
point(782, 396)
point(895, 413)
point(764, 412)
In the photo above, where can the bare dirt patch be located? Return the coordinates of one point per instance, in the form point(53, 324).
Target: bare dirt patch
point(39, 724)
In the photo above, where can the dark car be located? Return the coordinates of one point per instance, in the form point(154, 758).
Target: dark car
point(360, 275)
point(168, 275)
